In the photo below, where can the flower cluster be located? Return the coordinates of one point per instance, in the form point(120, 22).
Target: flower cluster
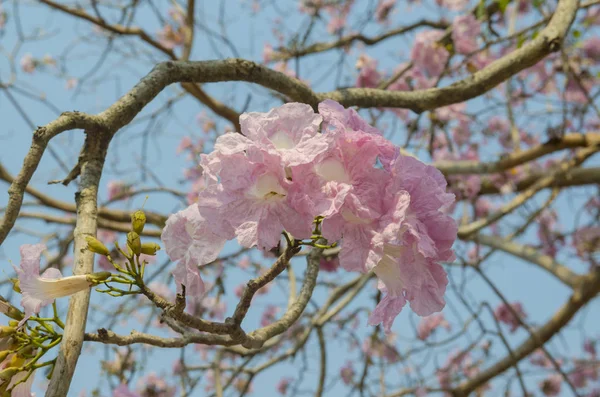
point(326, 175)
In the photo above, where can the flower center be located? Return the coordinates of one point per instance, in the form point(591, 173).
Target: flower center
point(267, 187)
point(332, 170)
point(281, 140)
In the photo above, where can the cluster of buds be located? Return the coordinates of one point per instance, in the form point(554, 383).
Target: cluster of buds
point(21, 349)
point(133, 271)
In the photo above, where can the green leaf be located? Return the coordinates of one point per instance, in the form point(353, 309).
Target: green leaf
point(576, 34)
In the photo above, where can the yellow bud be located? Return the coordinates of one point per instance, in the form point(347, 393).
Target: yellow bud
point(134, 242)
point(138, 221)
point(17, 361)
point(16, 285)
point(8, 373)
point(6, 331)
point(150, 248)
point(96, 246)
point(97, 278)
point(4, 354)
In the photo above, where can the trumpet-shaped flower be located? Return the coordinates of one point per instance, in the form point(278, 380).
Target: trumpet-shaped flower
point(290, 131)
point(41, 290)
point(190, 239)
point(252, 198)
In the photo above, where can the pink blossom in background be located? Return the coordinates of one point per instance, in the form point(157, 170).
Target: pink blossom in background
point(28, 63)
point(267, 53)
point(540, 359)
point(454, 5)
point(591, 48)
point(427, 54)
point(575, 91)
point(548, 232)
point(592, 16)
point(429, 324)
point(170, 37)
point(551, 385)
point(123, 391)
point(268, 315)
point(368, 76)
point(155, 386)
point(506, 316)
point(117, 189)
point(589, 346)
point(586, 240)
point(214, 307)
point(465, 30)
point(71, 83)
point(283, 385)
point(347, 373)
point(244, 262)
point(384, 9)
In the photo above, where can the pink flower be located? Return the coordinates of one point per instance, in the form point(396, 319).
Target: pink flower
point(28, 63)
point(589, 346)
point(267, 53)
point(189, 239)
point(420, 237)
point(368, 76)
point(336, 117)
point(427, 54)
point(23, 389)
point(283, 385)
point(454, 5)
point(329, 265)
point(384, 9)
point(347, 373)
point(39, 291)
point(155, 386)
point(71, 83)
point(586, 240)
point(253, 200)
point(591, 48)
point(118, 189)
point(551, 385)
point(171, 38)
point(465, 29)
point(290, 131)
point(268, 315)
point(506, 316)
point(429, 324)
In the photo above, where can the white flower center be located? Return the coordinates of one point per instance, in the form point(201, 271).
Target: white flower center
point(332, 170)
point(267, 187)
point(281, 140)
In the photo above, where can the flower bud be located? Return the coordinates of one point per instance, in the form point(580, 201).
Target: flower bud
point(17, 361)
point(96, 246)
point(16, 285)
point(97, 278)
point(8, 373)
point(10, 311)
point(6, 331)
point(150, 248)
point(134, 242)
point(138, 221)
point(4, 354)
